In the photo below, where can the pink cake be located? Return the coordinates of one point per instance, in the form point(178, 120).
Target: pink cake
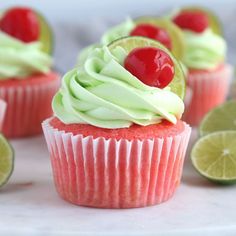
point(116, 168)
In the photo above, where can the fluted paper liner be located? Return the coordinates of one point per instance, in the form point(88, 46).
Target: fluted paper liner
point(110, 173)
point(3, 106)
point(209, 89)
point(27, 107)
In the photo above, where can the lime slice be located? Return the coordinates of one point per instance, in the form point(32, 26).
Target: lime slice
point(214, 157)
point(46, 36)
point(175, 33)
point(6, 160)
point(213, 19)
point(221, 118)
point(129, 43)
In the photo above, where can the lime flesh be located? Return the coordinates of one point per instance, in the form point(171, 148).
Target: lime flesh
point(214, 157)
point(6, 160)
point(219, 119)
point(129, 43)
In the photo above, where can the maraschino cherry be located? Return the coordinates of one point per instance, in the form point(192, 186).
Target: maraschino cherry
point(194, 21)
point(151, 65)
point(21, 23)
point(152, 32)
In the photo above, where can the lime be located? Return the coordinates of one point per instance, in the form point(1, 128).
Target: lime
point(129, 43)
point(221, 118)
point(46, 36)
point(214, 22)
point(214, 157)
point(175, 33)
point(6, 160)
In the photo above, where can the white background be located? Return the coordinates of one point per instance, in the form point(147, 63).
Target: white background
point(85, 9)
point(77, 23)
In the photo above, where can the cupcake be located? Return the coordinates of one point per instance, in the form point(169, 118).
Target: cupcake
point(116, 139)
point(209, 74)
point(2, 112)
point(27, 83)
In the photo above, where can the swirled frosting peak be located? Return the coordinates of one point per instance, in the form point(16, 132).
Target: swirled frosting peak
point(19, 60)
point(102, 93)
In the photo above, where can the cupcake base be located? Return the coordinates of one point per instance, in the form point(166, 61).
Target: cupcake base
point(209, 89)
point(116, 172)
point(28, 103)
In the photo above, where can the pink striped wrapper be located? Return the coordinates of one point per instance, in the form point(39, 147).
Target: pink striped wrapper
point(110, 173)
point(3, 106)
point(209, 89)
point(27, 107)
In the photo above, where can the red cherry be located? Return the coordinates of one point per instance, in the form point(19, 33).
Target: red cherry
point(152, 32)
point(21, 23)
point(152, 66)
point(194, 21)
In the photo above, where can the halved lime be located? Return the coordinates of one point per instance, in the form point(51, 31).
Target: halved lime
point(221, 118)
point(175, 33)
point(6, 160)
point(129, 43)
point(213, 19)
point(214, 157)
point(46, 36)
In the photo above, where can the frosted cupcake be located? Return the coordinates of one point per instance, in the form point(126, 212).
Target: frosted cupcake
point(27, 83)
point(208, 73)
point(116, 140)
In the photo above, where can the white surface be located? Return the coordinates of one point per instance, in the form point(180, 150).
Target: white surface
point(30, 206)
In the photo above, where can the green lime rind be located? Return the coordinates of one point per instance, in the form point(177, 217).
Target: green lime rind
point(221, 118)
point(46, 35)
point(214, 157)
point(214, 21)
point(178, 84)
point(6, 160)
point(175, 33)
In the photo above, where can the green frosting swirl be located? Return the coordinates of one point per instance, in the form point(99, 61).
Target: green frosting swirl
point(19, 60)
point(205, 50)
point(102, 93)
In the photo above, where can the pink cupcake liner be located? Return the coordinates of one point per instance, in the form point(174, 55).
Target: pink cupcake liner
point(3, 106)
point(27, 107)
point(209, 89)
point(110, 173)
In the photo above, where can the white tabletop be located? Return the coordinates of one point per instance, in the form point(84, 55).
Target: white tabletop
point(29, 205)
